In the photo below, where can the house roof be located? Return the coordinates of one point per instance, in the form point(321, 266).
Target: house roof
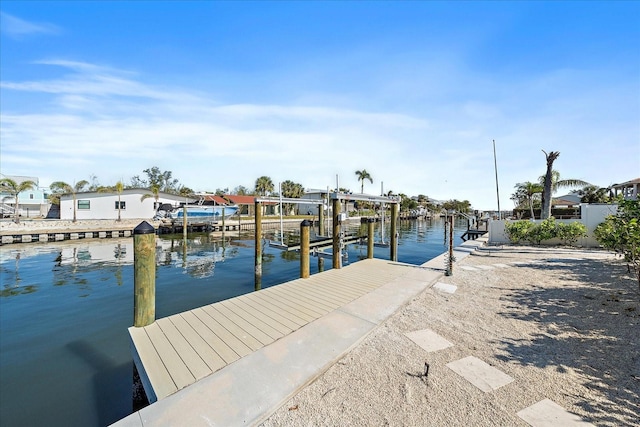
point(567, 199)
point(628, 183)
point(245, 200)
point(218, 200)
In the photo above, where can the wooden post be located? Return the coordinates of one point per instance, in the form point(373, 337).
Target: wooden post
point(449, 269)
point(184, 221)
point(393, 249)
point(304, 248)
point(223, 223)
point(321, 220)
point(370, 238)
point(320, 263)
point(258, 244)
point(337, 259)
point(144, 274)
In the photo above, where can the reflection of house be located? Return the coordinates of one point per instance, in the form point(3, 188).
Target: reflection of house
point(94, 205)
point(32, 203)
point(628, 190)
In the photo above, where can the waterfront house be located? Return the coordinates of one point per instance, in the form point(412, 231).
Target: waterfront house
point(628, 190)
point(31, 203)
point(98, 205)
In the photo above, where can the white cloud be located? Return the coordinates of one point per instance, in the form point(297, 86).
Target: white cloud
point(109, 123)
point(18, 28)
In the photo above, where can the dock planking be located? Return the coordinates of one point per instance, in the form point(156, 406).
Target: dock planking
point(176, 351)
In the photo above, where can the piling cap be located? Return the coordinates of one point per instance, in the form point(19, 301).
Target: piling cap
point(144, 228)
point(305, 223)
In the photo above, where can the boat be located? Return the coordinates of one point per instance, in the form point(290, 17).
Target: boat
point(196, 212)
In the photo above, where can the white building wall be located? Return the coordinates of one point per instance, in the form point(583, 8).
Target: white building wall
point(592, 216)
point(103, 205)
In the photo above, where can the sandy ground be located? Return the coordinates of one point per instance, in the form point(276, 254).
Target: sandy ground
point(564, 324)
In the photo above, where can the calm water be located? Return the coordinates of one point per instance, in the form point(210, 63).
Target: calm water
point(65, 309)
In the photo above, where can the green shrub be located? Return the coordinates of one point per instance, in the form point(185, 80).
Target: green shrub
point(518, 231)
point(571, 232)
point(621, 233)
point(547, 229)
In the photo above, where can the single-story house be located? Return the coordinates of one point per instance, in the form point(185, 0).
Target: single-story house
point(134, 203)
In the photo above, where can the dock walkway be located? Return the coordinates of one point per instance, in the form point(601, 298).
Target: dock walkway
point(235, 361)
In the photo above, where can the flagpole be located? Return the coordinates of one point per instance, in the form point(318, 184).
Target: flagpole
point(495, 164)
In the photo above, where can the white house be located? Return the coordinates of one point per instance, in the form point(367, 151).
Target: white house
point(95, 205)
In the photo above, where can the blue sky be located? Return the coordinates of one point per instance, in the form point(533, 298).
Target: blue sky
point(221, 93)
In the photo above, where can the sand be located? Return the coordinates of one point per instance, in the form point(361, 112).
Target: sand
point(563, 324)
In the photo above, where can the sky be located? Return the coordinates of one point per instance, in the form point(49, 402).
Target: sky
point(416, 93)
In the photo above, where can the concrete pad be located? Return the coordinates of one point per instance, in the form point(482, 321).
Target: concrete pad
point(468, 268)
point(485, 267)
point(429, 340)
point(381, 303)
point(479, 373)
point(245, 392)
point(547, 413)
point(445, 287)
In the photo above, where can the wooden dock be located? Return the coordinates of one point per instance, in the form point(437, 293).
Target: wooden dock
point(177, 351)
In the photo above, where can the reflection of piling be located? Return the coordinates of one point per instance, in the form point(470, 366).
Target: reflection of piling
point(144, 275)
point(304, 248)
point(393, 250)
point(371, 222)
point(258, 244)
point(337, 251)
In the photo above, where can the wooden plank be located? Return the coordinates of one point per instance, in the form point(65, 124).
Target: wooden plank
point(289, 306)
point(204, 350)
point(179, 372)
point(255, 330)
point(227, 353)
point(338, 291)
point(155, 371)
point(239, 305)
point(243, 336)
point(324, 293)
point(283, 317)
point(303, 303)
point(230, 339)
point(316, 296)
point(183, 348)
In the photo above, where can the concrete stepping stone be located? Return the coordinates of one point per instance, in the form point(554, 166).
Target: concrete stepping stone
point(468, 268)
point(547, 413)
point(428, 340)
point(445, 287)
point(485, 267)
point(479, 373)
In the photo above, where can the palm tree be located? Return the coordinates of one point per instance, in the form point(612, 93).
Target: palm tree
point(155, 193)
point(118, 189)
point(551, 182)
point(362, 175)
point(12, 187)
point(62, 188)
point(528, 190)
point(264, 185)
point(292, 190)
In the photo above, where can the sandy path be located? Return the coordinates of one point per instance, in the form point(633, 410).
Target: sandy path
point(564, 324)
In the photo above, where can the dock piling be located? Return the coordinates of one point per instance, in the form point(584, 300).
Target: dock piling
point(371, 222)
point(144, 270)
point(337, 250)
point(304, 248)
point(393, 249)
point(258, 245)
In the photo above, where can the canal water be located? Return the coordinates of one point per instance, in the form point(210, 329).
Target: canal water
point(65, 308)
